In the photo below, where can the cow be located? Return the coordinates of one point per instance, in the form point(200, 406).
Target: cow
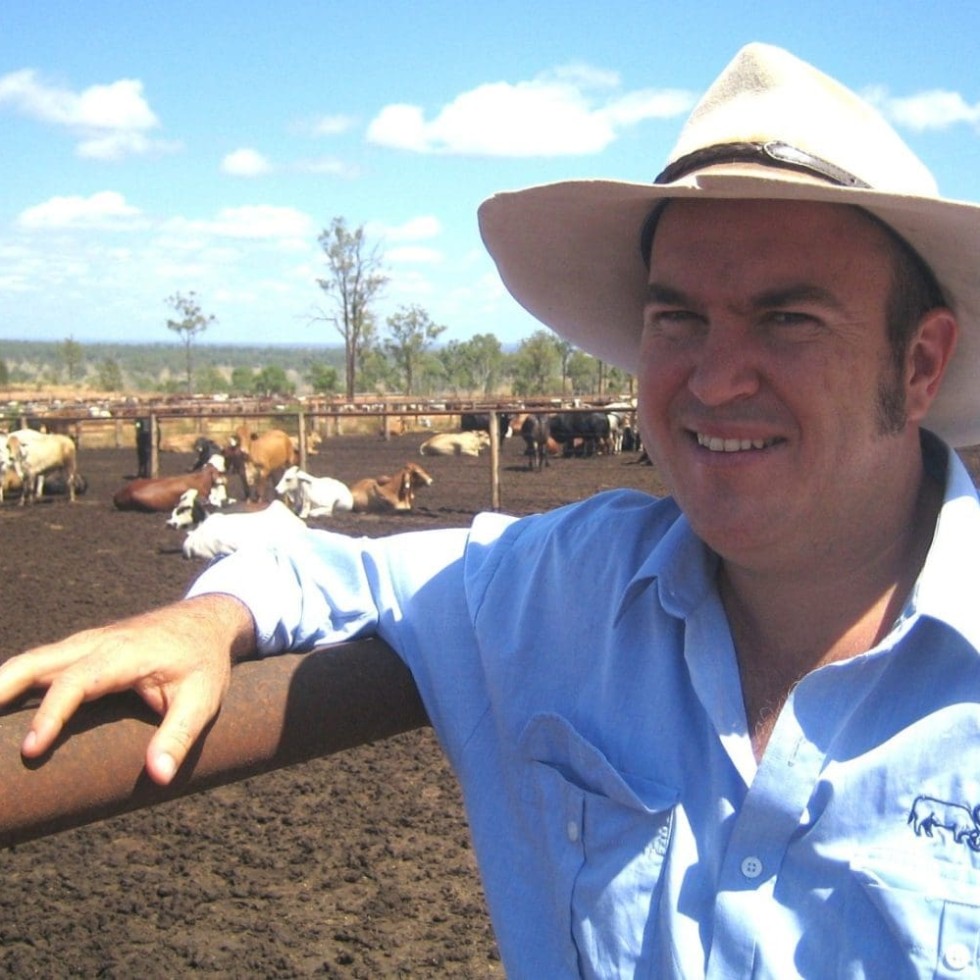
point(480, 422)
point(581, 433)
point(384, 494)
point(36, 454)
point(470, 443)
point(536, 432)
point(204, 449)
point(221, 534)
point(310, 496)
point(162, 493)
point(261, 457)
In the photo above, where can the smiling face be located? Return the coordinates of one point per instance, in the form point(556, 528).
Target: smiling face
point(769, 397)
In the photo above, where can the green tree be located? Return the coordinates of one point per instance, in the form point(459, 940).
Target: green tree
point(192, 321)
point(109, 375)
point(211, 380)
point(411, 334)
point(4, 374)
point(272, 380)
point(323, 378)
point(353, 280)
point(565, 351)
point(72, 357)
point(582, 370)
point(536, 365)
point(242, 380)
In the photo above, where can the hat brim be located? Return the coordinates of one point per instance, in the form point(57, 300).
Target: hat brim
point(569, 254)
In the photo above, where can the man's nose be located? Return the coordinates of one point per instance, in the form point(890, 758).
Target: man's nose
point(725, 368)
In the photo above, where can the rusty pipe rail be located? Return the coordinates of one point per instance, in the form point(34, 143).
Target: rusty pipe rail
point(278, 711)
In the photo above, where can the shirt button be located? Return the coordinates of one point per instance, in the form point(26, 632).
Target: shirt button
point(751, 867)
point(957, 956)
point(571, 829)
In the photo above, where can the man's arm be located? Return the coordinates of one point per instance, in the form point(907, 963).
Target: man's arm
point(178, 659)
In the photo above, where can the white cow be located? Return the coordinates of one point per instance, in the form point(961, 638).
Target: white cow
point(313, 496)
point(35, 454)
point(221, 534)
point(456, 444)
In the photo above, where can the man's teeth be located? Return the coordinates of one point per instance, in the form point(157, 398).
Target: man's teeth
point(717, 445)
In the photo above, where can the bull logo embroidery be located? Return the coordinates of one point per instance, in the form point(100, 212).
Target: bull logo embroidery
point(929, 814)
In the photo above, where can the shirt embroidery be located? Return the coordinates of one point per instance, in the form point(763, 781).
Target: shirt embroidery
point(963, 822)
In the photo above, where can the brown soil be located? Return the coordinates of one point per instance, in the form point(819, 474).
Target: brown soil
point(357, 865)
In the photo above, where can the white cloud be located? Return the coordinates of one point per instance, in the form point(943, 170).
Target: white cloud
point(245, 162)
point(573, 110)
point(327, 165)
point(106, 210)
point(424, 226)
point(935, 109)
point(254, 221)
point(331, 125)
point(111, 120)
point(413, 255)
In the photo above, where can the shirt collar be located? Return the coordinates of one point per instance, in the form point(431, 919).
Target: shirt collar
point(684, 568)
point(946, 589)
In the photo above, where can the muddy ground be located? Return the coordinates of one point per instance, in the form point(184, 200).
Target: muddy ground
point(357, 865)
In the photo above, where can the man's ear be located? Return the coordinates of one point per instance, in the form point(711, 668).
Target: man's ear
point(928, 357)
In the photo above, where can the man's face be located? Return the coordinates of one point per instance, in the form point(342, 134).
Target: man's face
point(764, 371)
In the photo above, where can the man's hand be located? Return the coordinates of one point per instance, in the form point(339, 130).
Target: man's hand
point(178, 659)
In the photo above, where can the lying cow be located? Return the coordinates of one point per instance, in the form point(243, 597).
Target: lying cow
point(163, 492)
point(384, 494)
point(33, 455)
point(221, 534)
point(456, 443)
point(312, 496)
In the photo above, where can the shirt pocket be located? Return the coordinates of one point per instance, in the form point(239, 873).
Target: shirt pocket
point(932, 914)
point(605, 833)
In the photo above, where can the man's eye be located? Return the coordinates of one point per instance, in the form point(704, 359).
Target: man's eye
point(789, 318)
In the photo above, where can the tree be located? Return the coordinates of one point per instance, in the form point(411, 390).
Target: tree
point(192, 322)
point(71, 356)
point(242, 380)
point(109, 375)
point(272, 380)
point(536, 364)
point(354, 279)
point(410, 335)
point(323, 378)
point(4, 374)
point(211, 380)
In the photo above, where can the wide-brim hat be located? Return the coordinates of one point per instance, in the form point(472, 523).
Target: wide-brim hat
point(770, 127)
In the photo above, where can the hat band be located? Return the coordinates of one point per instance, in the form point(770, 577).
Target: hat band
point(771, 154)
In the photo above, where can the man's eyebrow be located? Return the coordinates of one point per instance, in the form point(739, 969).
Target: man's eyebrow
point(778, 296)
point(803, 292)
point(668, 295)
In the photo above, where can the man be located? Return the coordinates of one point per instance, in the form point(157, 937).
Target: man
point(731, 733)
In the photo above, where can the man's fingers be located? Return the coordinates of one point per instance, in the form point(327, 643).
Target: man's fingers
point(192, 709)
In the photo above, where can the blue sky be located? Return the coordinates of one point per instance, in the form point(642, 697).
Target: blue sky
point(150, 148)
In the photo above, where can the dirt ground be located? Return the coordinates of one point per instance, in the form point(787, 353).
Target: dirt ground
point(356, 865)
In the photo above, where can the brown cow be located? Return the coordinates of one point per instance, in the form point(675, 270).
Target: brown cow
point(162, 493)
point(260, 458)
point(383, 494)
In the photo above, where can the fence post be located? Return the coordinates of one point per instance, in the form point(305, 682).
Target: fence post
point(494, 461)
point(301, 421)
point(154, 445)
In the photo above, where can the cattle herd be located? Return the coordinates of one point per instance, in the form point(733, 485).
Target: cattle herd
point(252, 489)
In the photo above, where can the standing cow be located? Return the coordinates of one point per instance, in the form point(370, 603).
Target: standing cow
point(35, 454)
point(536, 432)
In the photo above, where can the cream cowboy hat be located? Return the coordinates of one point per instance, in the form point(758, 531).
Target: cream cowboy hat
point(770, 127)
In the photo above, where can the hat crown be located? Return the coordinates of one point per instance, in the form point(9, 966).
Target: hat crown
point(765, 94)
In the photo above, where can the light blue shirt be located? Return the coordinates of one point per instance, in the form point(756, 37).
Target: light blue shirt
point(578, 669)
